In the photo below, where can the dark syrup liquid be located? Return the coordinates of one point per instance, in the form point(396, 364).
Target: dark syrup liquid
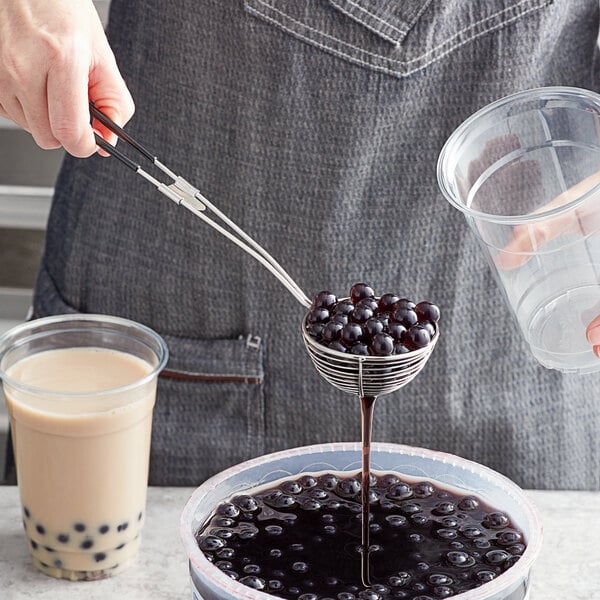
point(304, 538)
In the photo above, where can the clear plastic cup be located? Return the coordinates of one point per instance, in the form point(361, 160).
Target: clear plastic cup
point(80, 391)
point(525, 172)
point(209, 582)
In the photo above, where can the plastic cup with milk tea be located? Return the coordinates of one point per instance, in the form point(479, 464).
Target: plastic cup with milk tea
point(80, 391)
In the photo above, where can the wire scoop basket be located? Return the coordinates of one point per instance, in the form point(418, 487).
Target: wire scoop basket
point(366, 376)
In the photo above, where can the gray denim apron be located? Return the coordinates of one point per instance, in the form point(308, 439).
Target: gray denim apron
point(316, 126)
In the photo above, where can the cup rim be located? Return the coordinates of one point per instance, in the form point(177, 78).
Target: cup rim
point(200, 563)
point(457, 136)
point(11, 338)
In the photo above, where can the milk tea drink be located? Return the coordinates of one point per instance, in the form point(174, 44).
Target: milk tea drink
point(81, 421)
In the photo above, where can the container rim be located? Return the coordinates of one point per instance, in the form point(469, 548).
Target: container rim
point(458, 135)
point(16, 336)
point(519, 570)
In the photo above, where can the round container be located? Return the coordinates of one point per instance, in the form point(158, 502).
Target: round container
point(210, 583)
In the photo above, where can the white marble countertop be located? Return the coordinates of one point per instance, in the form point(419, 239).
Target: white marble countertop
point(567, 569)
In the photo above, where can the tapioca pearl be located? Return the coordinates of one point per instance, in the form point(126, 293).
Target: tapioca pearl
point(495, 520)
point(423, 489)
point(396, 520)
point(275, 553)
point(294, 590)
point(254, 582)
point(58, 563)
point(122, 526)
point(40, 529)
point(416, 538)
point(275, 585)
point(224, 522)
point(308, 596)
point(380, 588)
point(375, 528)
point(246, 503)
point(86, 544)
point(423, 566)
point(251, 569)
point(99, 556)
point(468, 503)
point(496, 557)
point(49, 549)
point(273, 530)
point(456, 558)
point(418, 587)
point(369, 595)
point(63, 538)
point(226, 553)
point(516, 549)
point(348, 488)
point(248, 533)
point(34, 544)
point(510, 561)
point(224, 534)
point(484, 575)
point(443, 591)
point(300, 567)
point(508, 538)
point(346, 596)
point(278, 499)
point(227, 509)
point(79, 527)
point(410, 508)
point(296, 547)
point(401, 579)
point(224, 565)
point(419, 519)
point(388, 480)
point(310, 504)
point(318, 494)
point(307, 482)
point(327, 518)
point(444, 509)
point(140, 515)
point(399, 491)
point(450, 522)
point(446, 534)
point(208, 543)
point(482, 543)
point(103, 529)
point(26, 512)
point(439, 579)
point(330, 529)
point(333, 504)
point(471, 532)
point(328, 482)
point(456, 545)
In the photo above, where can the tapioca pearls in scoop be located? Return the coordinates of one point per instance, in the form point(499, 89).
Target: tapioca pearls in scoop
point(366, 324)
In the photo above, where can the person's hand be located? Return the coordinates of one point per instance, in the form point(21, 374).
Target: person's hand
point(582, 221)
point(54, 57)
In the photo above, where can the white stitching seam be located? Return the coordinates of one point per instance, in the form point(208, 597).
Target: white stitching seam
point(393, 60)
point(376, 17)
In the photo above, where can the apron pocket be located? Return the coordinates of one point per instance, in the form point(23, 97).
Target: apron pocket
point(398, 38)
point(209, 412)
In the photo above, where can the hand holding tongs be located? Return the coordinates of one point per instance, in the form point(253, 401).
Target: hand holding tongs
point(185, 194)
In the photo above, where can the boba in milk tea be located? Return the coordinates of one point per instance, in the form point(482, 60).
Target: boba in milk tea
point(80, 393)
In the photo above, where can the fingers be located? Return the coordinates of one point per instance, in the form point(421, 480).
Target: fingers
point(593, 335)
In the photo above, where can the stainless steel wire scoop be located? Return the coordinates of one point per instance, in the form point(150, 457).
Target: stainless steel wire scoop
point(185, 194)
point(367, 377)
